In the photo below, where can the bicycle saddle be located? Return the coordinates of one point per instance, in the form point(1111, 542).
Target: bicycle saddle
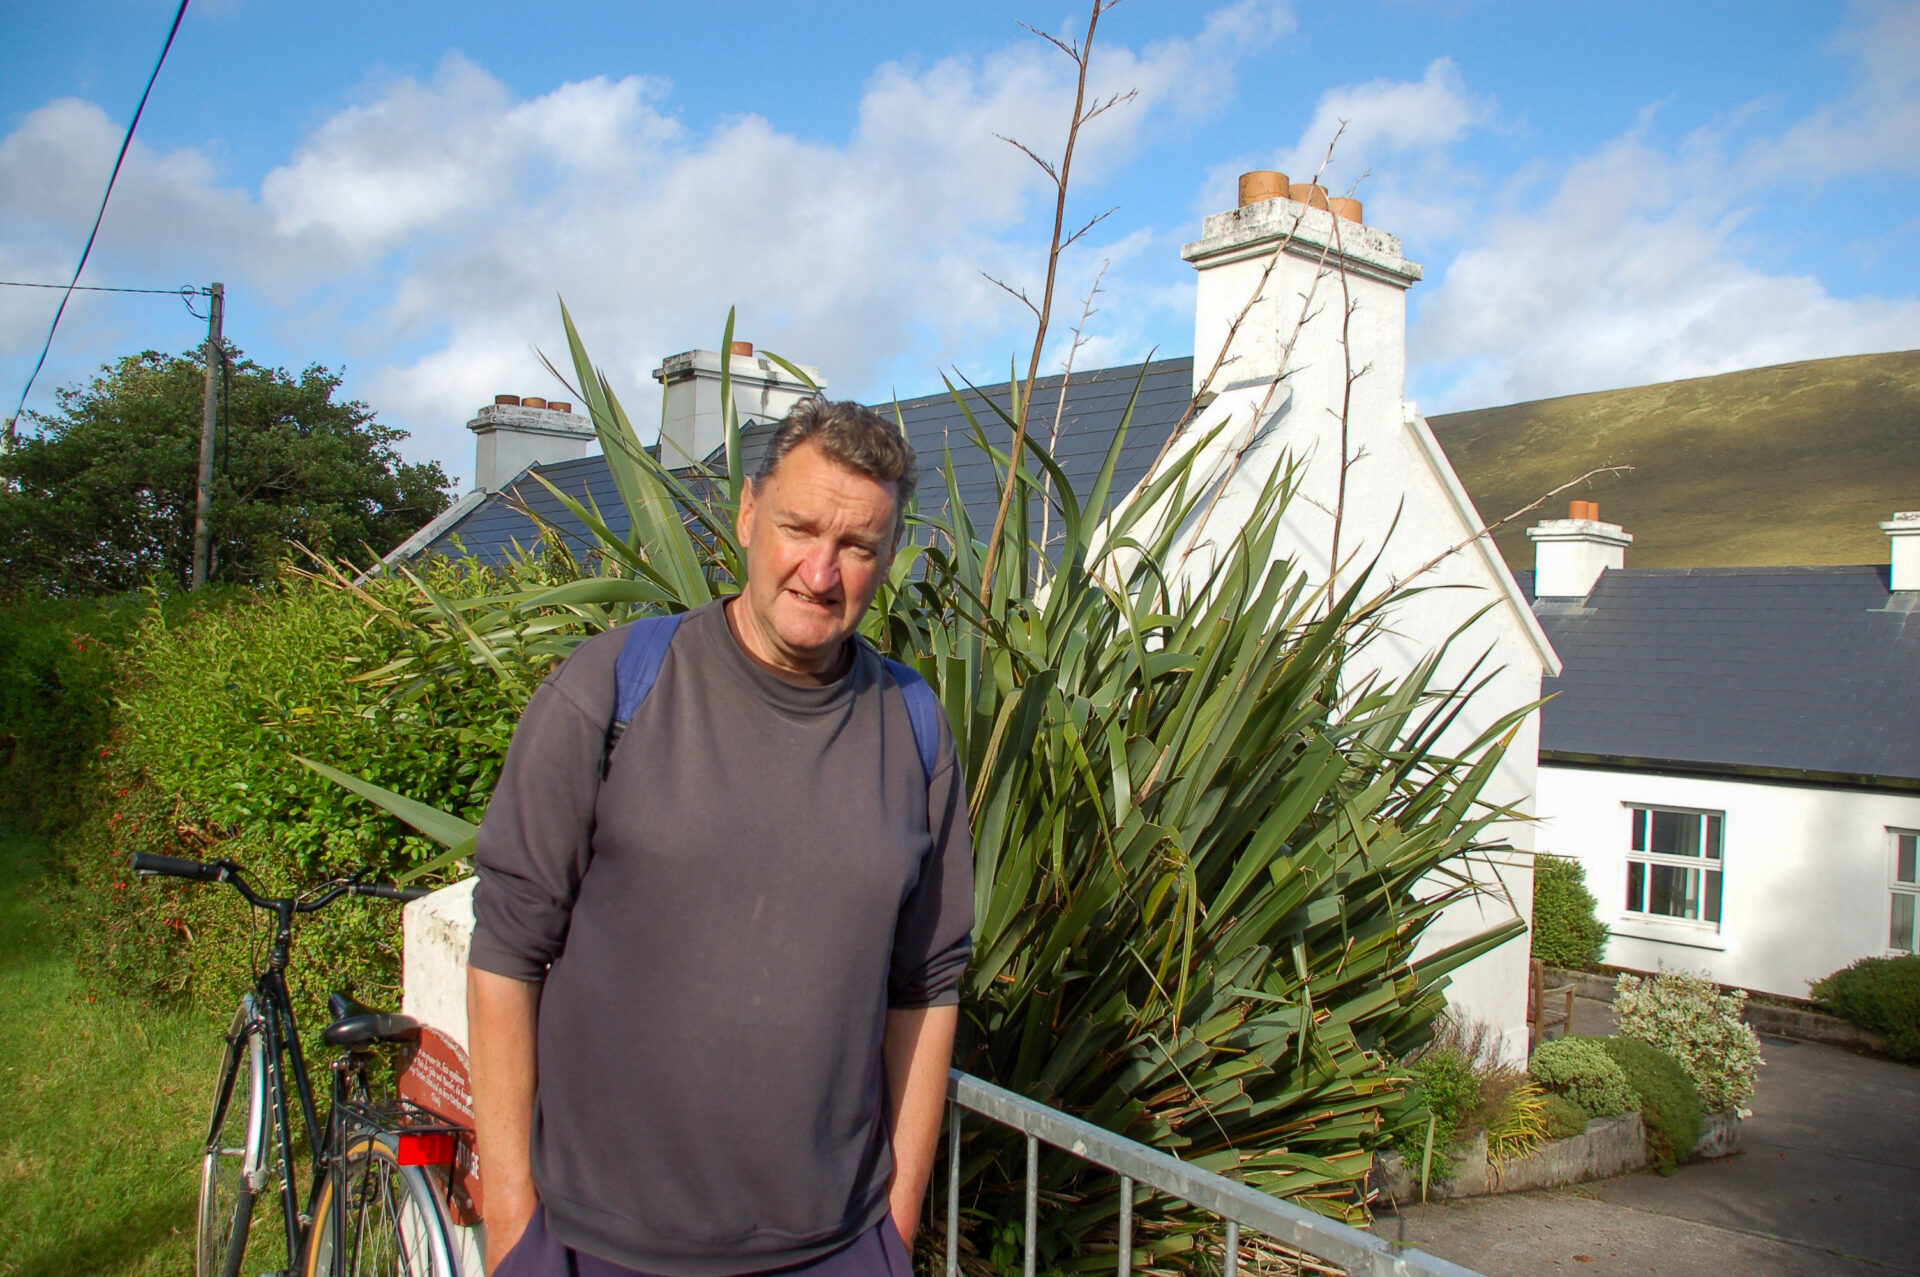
point(355, 1024)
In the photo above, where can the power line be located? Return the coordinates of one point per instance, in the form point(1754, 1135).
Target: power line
point(120, 159)
point(183, 290)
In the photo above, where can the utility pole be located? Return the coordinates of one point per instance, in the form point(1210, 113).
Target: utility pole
point(209, 415)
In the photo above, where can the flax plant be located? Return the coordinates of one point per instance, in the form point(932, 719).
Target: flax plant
point(1202, 859)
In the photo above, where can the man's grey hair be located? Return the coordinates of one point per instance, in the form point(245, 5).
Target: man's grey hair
point(851, 435)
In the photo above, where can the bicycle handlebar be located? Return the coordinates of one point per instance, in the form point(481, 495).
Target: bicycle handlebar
point(148, 865)
point(382, 891)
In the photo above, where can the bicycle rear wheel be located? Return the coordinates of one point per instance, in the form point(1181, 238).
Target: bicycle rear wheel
point(390, 1220)
point(233, 1166)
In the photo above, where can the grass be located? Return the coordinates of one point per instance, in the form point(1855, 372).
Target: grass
point(1793, 464)
point(101, 1106)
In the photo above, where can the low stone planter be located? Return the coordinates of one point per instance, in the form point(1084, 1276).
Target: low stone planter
point(1609, 1146)
point(1719, 1134)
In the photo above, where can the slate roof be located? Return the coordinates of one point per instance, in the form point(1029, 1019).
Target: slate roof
point(1096, 401)
point(1807, 673)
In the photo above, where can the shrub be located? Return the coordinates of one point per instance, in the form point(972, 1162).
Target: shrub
point(1565, 1119)
point(1520, 1125)
point(57, 669)
point(1688, 1017)
point(1881, 995)
point(215, 707)
point(1582, 1070)
point(1669, 1104)
point(1567, 931)
point(1446, 1087)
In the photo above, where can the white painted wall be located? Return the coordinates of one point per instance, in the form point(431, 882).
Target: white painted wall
point(1807, 870)
point(436, 934)
point(1403, 507)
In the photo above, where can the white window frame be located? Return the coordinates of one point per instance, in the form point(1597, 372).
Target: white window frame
point(1641, 861)
point(1903, 886)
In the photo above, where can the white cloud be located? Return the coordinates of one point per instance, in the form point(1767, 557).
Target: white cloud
point(1385, 120)
point(1630, 273)
point(428, 228)
point(1876, 127)
point(1635, 264)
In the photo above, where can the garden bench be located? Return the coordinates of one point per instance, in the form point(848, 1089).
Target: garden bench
point(1540, 1015)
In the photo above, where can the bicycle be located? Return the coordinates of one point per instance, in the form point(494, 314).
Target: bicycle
point(373, 1207)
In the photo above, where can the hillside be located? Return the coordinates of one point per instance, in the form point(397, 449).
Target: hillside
point(1794, 464)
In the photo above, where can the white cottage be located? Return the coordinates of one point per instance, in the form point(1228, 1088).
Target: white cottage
point(1734, 753)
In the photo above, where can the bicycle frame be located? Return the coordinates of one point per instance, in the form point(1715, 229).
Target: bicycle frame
point(267, 1009)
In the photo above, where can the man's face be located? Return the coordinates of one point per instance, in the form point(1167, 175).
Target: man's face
point(819, 539)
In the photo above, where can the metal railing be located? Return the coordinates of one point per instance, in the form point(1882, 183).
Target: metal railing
point(1239, 1206)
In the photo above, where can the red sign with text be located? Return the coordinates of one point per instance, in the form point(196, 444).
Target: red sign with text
point(435, 1077)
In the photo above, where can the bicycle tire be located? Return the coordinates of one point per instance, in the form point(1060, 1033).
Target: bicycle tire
point(394, 1219)
point(233, 1163)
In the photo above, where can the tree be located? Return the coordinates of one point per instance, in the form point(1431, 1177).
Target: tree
point(100, 494)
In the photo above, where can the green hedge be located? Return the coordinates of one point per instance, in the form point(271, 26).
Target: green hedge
point(57, 673)
point(201, 762)
point(1567, 931)
point(1881, 995)
point(1669, 1103)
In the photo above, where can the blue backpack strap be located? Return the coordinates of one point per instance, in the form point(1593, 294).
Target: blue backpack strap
point(923, 711)
point(635, 671)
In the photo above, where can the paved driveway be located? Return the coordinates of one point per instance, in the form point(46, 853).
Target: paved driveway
point(1828, 1182)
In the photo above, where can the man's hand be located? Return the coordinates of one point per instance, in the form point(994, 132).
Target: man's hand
point(918, 1050)
point(502, 1014)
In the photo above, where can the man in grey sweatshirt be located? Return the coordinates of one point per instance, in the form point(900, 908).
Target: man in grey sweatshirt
point(713, 996)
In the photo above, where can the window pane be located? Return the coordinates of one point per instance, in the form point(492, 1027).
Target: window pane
point(1901, 934)
point(1713, 838)
point(1907, 855)
point(1713, 898)
point(1636, 885)
point(1666, 833)
point(1673, 890)
point(1639, 828)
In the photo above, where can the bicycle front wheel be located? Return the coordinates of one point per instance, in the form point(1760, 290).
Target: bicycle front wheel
point(385, 1221)
point(233, 1165)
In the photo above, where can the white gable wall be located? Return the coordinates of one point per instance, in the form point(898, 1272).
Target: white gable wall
point(1403, 508)
point(1807, 876)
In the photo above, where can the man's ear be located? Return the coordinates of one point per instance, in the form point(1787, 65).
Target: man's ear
point(743, 517)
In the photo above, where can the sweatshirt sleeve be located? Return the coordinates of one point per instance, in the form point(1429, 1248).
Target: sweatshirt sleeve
point(536, 840)
point(933, 938)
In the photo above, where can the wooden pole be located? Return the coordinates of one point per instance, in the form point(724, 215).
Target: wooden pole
point(209, 417)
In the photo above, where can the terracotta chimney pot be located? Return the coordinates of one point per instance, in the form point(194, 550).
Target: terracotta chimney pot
point(1344, 207)
point(1311, 194)
point(1262, 185)
point(557, 406)
point(533, 401)
point(744, 349)
point(507, 401)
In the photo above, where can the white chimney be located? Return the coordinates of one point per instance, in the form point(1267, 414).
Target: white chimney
point(1288, 252)
point(1233, 252)
point(1570, 554)
point(514, 433)
point(1903, 530)
point(692, 427)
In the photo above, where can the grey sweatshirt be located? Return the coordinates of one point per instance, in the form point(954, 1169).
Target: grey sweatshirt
point(722, 926)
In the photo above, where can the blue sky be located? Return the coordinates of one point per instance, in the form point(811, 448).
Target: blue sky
point(1601, 195)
